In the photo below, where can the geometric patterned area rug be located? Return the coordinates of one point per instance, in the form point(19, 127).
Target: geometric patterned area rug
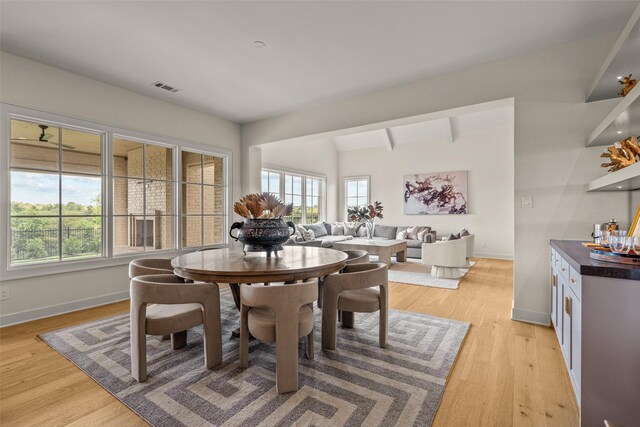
point(359, 384)
point(414, 272)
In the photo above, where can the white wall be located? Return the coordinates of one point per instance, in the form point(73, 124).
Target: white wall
point(319, 157)
point(551, 162)
point(34, 85)
point(487, 155)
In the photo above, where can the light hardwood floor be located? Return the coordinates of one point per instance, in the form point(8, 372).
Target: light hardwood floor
point(507, 373)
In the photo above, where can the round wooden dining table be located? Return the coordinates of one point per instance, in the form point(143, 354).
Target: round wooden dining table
point(232, 266)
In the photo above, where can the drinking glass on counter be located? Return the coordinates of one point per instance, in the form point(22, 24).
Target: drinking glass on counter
point(635, 244)
point(619, 243)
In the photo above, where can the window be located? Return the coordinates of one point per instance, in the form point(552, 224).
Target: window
point(84, 195)
point(143, 215)
point(203, 200)
point(356, 192)
point(271, 182)
point(293, 194)
point(304, 191)
point(312, 204)
point(55, 193)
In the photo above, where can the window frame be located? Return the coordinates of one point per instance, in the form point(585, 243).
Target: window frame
point(61, 173)
point(225, 196)
point(345, 195)
point(154, 141)
point(322, 193)
point(9, 112)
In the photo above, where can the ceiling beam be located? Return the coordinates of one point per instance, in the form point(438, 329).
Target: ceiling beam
point(449, 131)
point(390, 142)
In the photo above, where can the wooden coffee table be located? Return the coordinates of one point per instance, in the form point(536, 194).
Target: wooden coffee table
point(383, 248)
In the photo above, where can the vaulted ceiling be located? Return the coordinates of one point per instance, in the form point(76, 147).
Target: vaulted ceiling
point(314, 52)
point(445, 129)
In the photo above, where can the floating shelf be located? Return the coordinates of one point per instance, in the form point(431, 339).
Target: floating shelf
point(621, 122)
point(623, 180)
point(624, 59)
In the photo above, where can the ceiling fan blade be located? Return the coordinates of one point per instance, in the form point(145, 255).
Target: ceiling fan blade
point(22, 139)
point(70, 147)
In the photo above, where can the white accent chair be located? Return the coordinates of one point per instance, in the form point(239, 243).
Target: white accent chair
point(446, 258)
point(471, 242)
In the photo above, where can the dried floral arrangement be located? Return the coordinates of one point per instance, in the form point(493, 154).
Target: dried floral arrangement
point(365, 213)
point(262, 206)
point(622, 154)
point(627, 84)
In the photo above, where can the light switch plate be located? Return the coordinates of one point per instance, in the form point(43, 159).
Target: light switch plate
point(527, 202)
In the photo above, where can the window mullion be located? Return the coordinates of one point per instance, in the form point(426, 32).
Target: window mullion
point(144, 198)
point(303, 188)
point(107, 196)
point(201, 200)
point(60, 194)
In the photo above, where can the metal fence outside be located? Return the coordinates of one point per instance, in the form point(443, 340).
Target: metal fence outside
point(43, 243)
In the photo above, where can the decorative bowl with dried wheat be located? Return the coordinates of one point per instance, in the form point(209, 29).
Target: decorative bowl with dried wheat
point(263, 228)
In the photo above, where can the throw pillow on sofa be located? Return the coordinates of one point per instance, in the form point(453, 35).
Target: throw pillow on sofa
point(337, 230)
point(425, 235)
point(349, 228)
point(305, 233)
point(452, 237)
point(412, 232)
point(464, 233)
point(319, 230)
point(402, 235)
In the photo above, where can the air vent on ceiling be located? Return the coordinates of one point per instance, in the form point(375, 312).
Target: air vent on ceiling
point(163, 85)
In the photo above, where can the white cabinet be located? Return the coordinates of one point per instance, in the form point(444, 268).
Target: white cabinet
point(565, 339)
point(575, 315)
point(554, 291)
point(566, 315)
point(554, 299)
point(594, 310)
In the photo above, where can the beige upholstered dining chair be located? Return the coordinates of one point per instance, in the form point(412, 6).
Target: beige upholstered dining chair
point(146, 266)
point(282, 313)
point(357, 257)
point(163, 304)
point(353, 291)
point(353, 257)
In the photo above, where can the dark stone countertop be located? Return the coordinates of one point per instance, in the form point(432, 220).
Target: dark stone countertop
point(578, 257)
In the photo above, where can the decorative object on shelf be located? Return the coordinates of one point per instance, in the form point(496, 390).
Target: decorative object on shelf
point(435, 193)
point(622, 154)
point(263, 229)
point(366, 215)
point(627, 84)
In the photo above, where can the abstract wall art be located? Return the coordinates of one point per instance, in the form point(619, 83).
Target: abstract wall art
point(441, 193)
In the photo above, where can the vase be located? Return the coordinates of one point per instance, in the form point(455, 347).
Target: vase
point(368, 224)
point(262, 235)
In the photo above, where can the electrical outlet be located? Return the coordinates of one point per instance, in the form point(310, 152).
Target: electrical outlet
point(4, 293)
point(484, 244)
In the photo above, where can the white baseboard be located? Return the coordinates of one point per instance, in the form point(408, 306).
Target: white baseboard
point(534, 317)
point(54, 310)
point(492, 255)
